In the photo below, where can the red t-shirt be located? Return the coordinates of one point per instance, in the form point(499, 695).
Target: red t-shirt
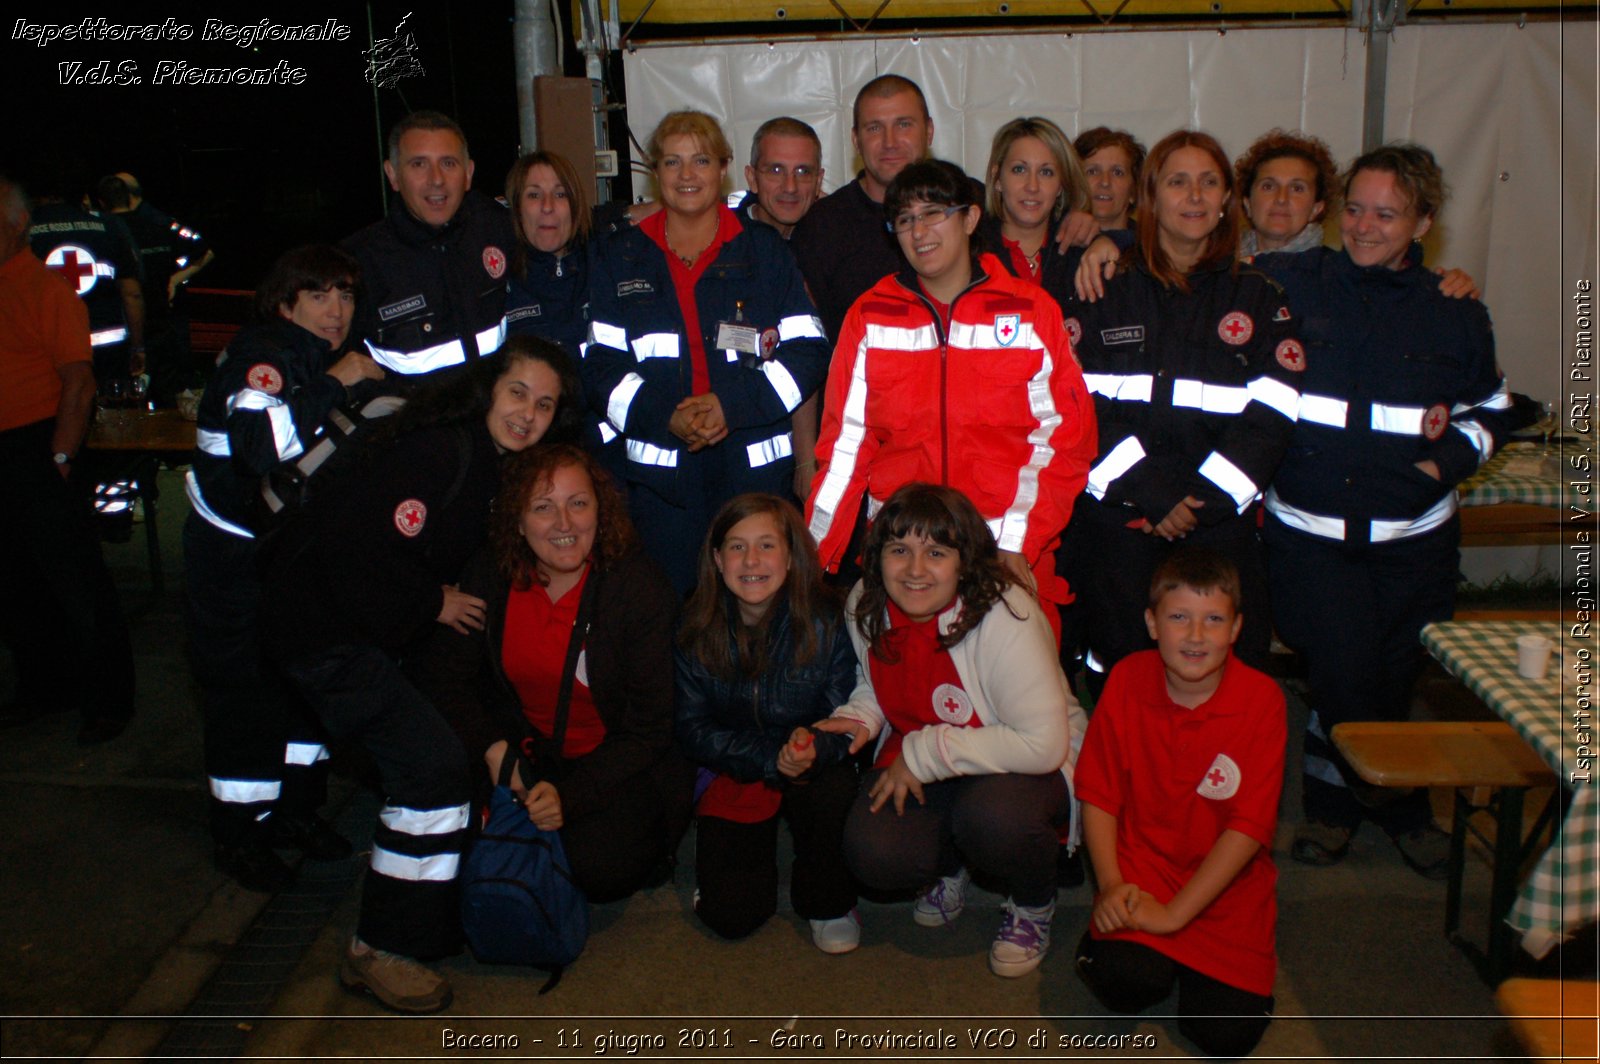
point(1025, 268)
point(533, 652)
point(684, 279)
point(920, 687)
point(1177, 778)
point(46, 328)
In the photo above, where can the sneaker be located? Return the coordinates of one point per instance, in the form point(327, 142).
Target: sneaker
point(1426, 850)
point(839, 935)
point(1023, 939)
point(400, 983)
point(1320, 844)
point(255, 867)
point(943, 901)
point(311, 835)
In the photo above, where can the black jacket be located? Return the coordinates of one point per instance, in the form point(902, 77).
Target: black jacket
point(739, 727)
point(629, 660)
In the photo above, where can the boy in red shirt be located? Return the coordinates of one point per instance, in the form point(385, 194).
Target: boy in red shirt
point(1179, 777)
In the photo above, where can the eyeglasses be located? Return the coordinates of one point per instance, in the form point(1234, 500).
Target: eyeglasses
point(928, 218)
point(779, 171)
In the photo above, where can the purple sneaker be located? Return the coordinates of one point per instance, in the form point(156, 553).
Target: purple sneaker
point(1022, 941)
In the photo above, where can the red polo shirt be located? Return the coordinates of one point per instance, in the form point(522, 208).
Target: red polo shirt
point(534, 651)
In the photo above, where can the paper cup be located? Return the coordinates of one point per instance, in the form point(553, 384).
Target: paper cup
point(1533, 656)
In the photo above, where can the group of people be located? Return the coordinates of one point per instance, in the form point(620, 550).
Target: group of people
point(638, 453)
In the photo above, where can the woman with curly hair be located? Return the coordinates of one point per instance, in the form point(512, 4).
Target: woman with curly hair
point(1286, 182)
point(571, 669)
point(959, 683)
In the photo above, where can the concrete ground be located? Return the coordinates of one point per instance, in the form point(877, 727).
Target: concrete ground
point(121, 940)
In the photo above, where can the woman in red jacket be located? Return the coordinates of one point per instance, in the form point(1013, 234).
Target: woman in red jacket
point(956, 373)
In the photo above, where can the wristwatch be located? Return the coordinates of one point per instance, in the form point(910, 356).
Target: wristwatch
point(62, 458)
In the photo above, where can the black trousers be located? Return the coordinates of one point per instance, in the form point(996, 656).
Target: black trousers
point(410, 901)
point(1003, 825)
point(1354, 612)
point(263, 750)
point(1110, 566)
point(1222, 1020)
point(614, 849)
point(736, 865)
point(63, 620)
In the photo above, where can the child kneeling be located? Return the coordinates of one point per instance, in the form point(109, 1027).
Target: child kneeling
point(959, 672)
point(1179, 780)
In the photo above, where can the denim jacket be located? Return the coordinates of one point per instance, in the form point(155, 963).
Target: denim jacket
point(738, 728)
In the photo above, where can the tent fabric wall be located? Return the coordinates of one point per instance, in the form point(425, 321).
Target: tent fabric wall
point(1489, 98)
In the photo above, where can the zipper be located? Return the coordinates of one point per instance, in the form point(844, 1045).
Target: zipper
point(978, 277)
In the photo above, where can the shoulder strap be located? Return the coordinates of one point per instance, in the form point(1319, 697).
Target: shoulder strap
point(580, 632)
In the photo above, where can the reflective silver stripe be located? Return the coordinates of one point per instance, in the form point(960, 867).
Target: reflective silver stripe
point(847, 447)
point(1304, 520)
point(1481, 439)
point(1092, 662)
point(491, 339)
point(767, 451)
point(607, 433)
point(608, 335)
point(423, 821)
point(1438, 514)
point(304, 753)
point(1323, 410)
point(649, 454)
point(438, 868)
point(1499, 399)
point(104, 269)
point(1274, 393)
point(245, 792)
point(800, 327)
point(423, 360)
point(1212, 398)
point(1013, 529)
point(1231, 479)
point(873, 506)
point(622, 398)
point(285, 437)
point(655, 345)
point(893, 338)
point(1124, 387)
point(1123, 457)
point(994, 529)
point(212, 442)
point(115, 334)
point(191, 488)
point(252, 399)
point(783, 383)
point(1404, 420)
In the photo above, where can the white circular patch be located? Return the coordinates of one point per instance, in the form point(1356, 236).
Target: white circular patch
point(1221, 779)
point(1435, 420)
point(264, 377)
point(951, 704)
point(1236, 327)
point(494, 262)
point(74, 263)
point(769, 343)
point(1291, 356)
point(410, 516)
point(1074, 331)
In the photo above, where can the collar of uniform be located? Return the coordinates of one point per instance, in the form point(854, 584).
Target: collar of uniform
point(986, 267)
point(1224, 701)
point(413, 231)
point(728, 227)
point(298, 337)
point(1404, 277)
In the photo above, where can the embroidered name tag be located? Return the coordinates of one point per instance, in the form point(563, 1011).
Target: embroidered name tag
point(634, 288)
point(405, 306)
point(533, 311)
point(1127, 334)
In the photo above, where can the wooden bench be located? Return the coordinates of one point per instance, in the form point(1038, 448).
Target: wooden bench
point(1556, 1019)
point(1490, 767)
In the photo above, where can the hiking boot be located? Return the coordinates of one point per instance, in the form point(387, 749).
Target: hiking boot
point(1320, 844)
point(1426, 850)
point(943, 901)
point(311, 835)
point(255, 867)
point(400, 983)
point(839, 935)
point(1023, 939)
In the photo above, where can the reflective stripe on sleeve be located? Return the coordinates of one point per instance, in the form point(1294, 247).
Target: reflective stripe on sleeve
point(649, 454)
point(245, 792)
point(114, 335)
point(1304, 520)
point(304, 753)
point(191, 488)
point(1123, 457)
point(491, 339)
point(1499, 399)
point(438, 868)
point(285, 437)
point(423, 821)
point(1437, 514)
point(1482, 439)
point(1402, 420)
point(1269, 391)
point(1231, 479)
point(212, 442)
point(655, 345)
point(608, 335)
point(607, 433)
point(800, 327)
point(621, 399)
point(768, 451)
point(1123, 387)
point(783, 383)
point(847, 447)
point(424, 360)
point(1323, 410)
point(1212, 398)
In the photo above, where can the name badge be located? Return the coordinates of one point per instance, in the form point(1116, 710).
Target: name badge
point(737, 336)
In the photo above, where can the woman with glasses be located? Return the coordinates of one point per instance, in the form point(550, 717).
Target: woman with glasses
point(953, 372)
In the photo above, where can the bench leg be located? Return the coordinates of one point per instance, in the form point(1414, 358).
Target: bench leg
point(1458, 852)
point(1503, 887)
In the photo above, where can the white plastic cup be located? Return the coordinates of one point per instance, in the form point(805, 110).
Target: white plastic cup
point(1533, 656)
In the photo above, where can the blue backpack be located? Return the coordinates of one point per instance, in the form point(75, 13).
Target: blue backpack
point(519, 903)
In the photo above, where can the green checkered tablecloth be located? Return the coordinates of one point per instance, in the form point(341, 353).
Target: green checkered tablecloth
point(1562, 893)
point(1493, 482)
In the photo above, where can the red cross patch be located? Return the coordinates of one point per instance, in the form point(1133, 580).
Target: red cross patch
point(1221, 780)
point(410, 516)
point(1006, 327)
point(494, 262)
point(1236, 327)
point(1074, 330)
point(951, 704)
point(1291, 356)
point(74, 263)
point(769, 343)
point(264, 377)
point(1435, 420)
